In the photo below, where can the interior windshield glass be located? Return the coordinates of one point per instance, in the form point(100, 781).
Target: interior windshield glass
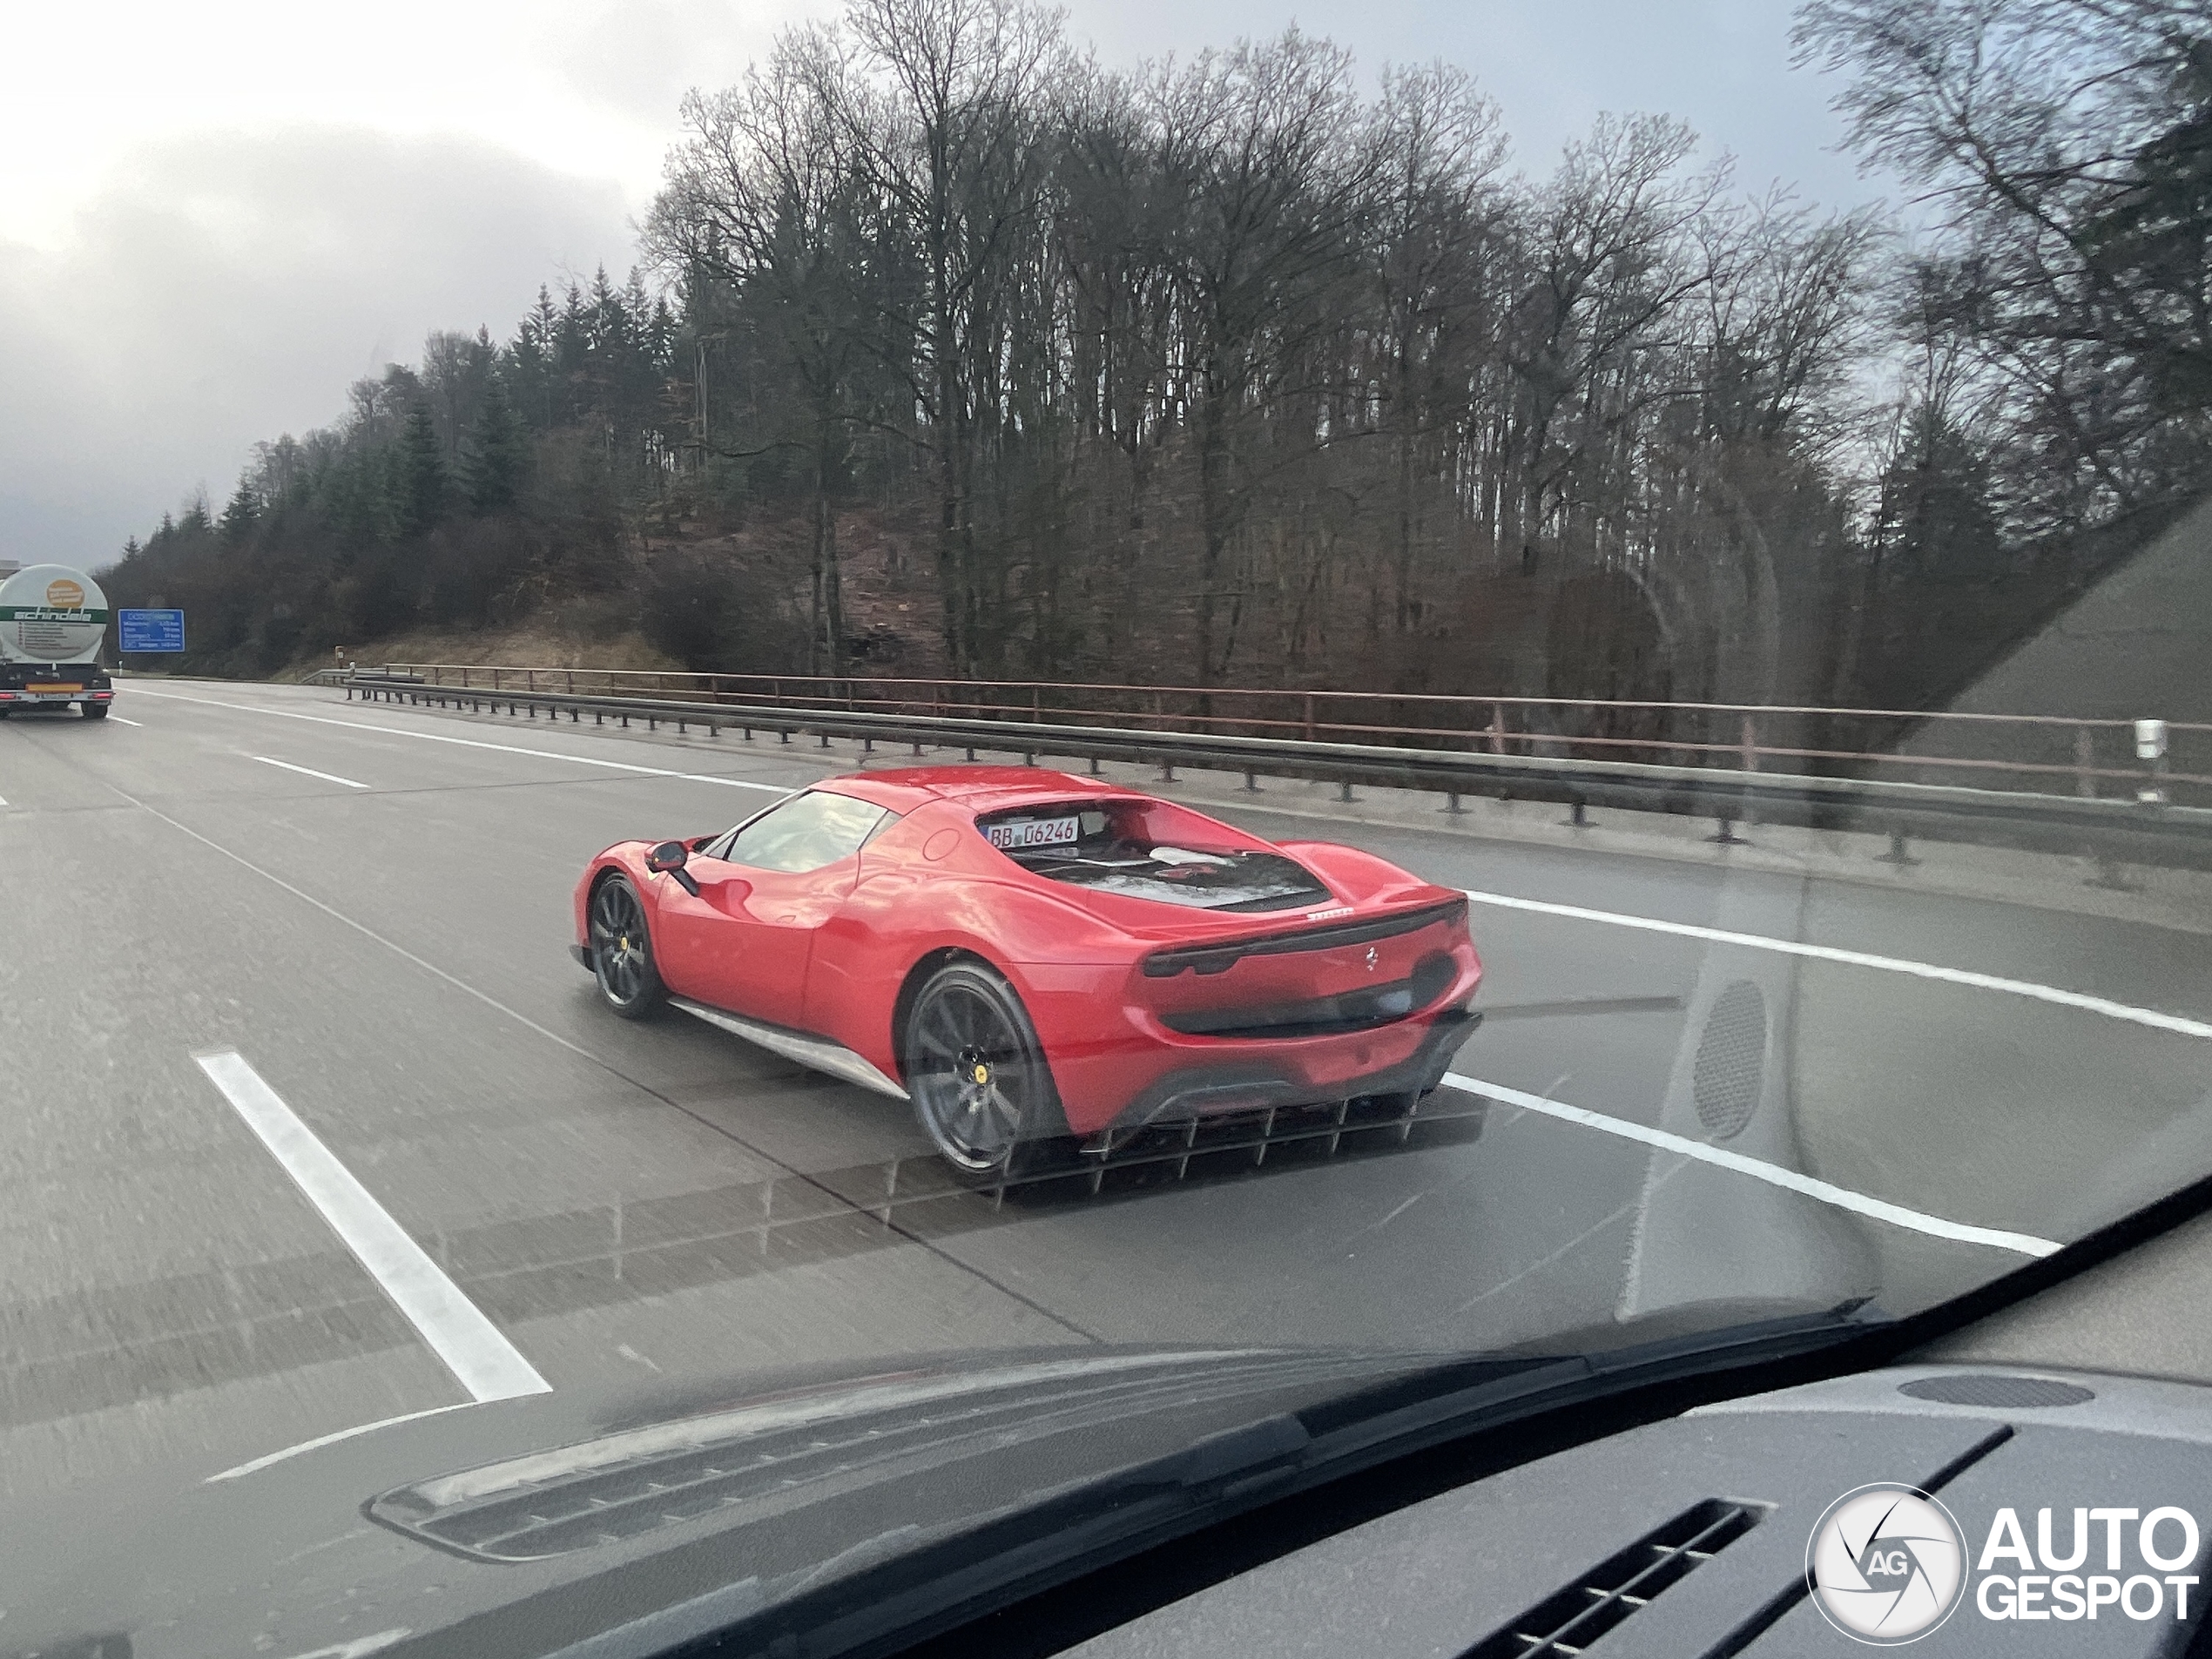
point(704, 705)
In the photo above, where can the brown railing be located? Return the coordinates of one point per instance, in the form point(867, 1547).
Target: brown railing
point(2048, 755)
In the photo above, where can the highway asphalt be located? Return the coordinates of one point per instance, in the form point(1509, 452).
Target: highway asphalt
point(369, 904)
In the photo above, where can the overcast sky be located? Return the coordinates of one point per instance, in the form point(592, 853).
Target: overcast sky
point(215, 216)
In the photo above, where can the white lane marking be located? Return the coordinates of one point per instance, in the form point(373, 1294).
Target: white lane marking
point(327, 777)
point(486, 1364)
point(360, 1647)
point(2105, 1006)
point(119, 720)
point(321, 1441)
point(1773, 1174)
point(478, 743)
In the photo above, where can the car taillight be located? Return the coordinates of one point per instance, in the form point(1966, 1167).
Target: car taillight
point(102, 697)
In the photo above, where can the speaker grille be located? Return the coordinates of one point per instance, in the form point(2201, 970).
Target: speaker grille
point(1998, 1393)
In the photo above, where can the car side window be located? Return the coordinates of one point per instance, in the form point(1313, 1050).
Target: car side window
point(804, 833)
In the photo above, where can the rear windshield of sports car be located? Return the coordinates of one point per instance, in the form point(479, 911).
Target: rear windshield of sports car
point(1148, 849)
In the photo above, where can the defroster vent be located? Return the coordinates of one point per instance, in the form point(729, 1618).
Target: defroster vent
point(1570, 1619)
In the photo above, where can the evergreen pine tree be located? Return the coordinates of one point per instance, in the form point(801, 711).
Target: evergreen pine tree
point(497, 452)
point(420, 479)
point(238, 517)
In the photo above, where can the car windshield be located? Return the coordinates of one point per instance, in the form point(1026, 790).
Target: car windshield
point(701, 707)
point(815, 829)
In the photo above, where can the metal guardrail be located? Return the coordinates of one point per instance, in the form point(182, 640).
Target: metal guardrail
point(2041, 754)
point(2156, 831)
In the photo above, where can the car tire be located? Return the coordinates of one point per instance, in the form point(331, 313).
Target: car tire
point(976, 1072)
point(94, 710)
point(622, 950)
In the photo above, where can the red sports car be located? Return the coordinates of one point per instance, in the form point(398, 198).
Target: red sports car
point(1031, 957)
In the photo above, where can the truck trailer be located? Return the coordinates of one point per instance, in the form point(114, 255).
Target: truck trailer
point(53, 621)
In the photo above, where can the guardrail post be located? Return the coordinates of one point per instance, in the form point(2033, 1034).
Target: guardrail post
point(1452, 807)
point(1899, 853)
point(1728, 837)
point(1344, 793)
point(1308, 716)
point(1579, 818)
point(2151, 744)
point(1251, 781)
point(2084, 763)
point(1750, 746)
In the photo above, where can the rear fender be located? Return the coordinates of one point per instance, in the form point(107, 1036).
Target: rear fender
point(1361, 878)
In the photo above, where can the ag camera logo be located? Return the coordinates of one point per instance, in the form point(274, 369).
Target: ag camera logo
point(1886, 1564)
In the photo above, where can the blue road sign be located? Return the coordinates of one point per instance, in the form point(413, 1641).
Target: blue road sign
point(151, 629)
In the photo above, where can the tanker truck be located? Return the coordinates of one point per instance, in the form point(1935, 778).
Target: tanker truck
point(52, 622)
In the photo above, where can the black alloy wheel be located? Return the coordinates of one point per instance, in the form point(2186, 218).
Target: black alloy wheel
point(978, 1077)
point(622, 950)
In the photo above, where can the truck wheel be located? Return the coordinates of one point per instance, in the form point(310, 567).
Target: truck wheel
point(979, 1080)
point(622, 950)
point(94, 710)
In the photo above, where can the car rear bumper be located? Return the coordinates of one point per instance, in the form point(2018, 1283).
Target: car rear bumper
point(20, 694)
point(1288, 1077)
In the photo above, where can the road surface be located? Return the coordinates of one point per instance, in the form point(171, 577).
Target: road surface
point(368, 907)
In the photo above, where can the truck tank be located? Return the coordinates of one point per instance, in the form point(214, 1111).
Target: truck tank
point(53, 621)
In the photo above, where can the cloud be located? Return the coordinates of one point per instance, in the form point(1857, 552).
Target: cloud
point(639, 57)
point(221, 287)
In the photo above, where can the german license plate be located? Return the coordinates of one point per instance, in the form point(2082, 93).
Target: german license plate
point(56, 686)
point(1035, 832)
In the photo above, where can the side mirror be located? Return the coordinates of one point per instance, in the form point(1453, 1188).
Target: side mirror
point(668, 859)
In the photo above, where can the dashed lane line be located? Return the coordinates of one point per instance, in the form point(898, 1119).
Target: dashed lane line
point(309, 771)
point(479, 743)
point(482, 1360)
